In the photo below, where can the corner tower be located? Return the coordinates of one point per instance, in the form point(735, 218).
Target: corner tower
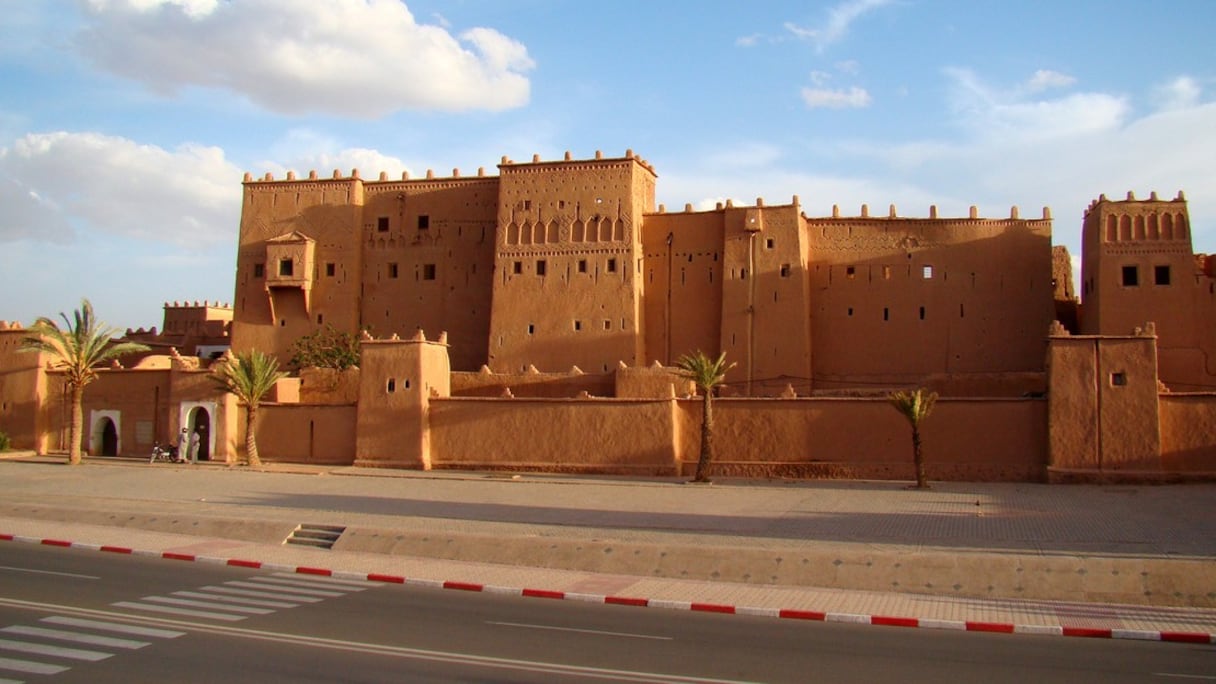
point(567, 284)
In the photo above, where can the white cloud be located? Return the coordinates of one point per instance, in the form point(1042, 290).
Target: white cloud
point(852, 98)
point(363, 58)
point(1180, 93)
point(818, 78)
point(50, 181)
point(992, 113)
point(840, 19)
point(1046, 78)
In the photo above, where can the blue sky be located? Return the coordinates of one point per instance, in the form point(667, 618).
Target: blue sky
point(127, 125)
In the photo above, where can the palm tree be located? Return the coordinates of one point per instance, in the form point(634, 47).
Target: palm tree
point(706, 374)
point(77, 349)
point(249, 376)
point(915, 406)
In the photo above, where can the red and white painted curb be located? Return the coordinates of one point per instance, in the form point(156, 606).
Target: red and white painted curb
point(884, 620)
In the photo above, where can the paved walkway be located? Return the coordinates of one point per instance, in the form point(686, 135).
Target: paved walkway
point(1004, 557)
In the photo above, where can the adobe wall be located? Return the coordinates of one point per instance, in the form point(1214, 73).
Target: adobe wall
point(964, 439)
point(1188, 433)
point(634, 437)
point(897, 299)
point(1104, 403)
point(682, 277)
point(142, 398)
point(329, 386)
point(306, 433)
point(22, 391)
point(532, 384)
point(428, 260)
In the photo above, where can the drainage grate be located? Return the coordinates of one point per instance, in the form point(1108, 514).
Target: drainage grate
point(318, 536)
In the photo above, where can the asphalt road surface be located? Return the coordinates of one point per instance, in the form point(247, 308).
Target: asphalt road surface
point(81, 616)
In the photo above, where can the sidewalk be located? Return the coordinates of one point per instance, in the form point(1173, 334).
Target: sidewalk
point(1003, 557)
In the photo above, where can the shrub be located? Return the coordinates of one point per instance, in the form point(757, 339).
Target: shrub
point(5, 443)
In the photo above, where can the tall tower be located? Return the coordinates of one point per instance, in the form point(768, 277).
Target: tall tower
point(1138, 266)
point(567, 284)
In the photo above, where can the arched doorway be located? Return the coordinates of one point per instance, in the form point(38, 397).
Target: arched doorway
point(200, 422)
point(103, 435)
point(109, 438)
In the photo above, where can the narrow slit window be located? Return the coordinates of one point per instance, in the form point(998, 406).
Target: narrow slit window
point(886, 314)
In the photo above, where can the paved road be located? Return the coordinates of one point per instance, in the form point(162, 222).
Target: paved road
point(94, 617)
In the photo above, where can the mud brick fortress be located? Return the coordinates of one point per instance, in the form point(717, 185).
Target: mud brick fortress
point(529, 321)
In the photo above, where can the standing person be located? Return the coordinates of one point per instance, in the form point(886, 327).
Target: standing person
point(183, 444)
point(195, 439)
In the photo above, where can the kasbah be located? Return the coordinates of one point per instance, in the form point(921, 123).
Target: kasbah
point(531, 321)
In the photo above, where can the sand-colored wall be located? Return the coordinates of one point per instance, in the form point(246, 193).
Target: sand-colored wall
point(1188, 433)
point(306, 433)
point(22, 391)
point(553, 435)
point(532, 384)
point(964, 439)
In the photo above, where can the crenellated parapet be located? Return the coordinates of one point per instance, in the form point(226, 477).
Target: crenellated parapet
point(1139, 220)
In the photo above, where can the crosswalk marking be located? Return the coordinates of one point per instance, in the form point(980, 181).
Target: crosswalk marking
point(265, 593)
point(206, 604)
point(117, 627)
point(234, 599)
point(30, 666)
point(76, 637)
point(56, 651)
point(151, 607)
point(275, 584)
point(325, 579)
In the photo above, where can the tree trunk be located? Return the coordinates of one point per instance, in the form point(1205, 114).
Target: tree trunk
point(707, 435)
point(251, 442)
point(76, 431)
point(918, 458)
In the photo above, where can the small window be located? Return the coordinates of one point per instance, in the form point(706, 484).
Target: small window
point(886, 313)
point(1118, 379)
point(578, 325)
point(531, 328)
point(517, 267)
point(886, 272)
point(1131, 276)
point(541, 267)
point(382, 224)
point(527, 205)
point(392, 385)
point(850, 311)
point(850, 272)
point(259, 270)
point(607, 324)
point(286, 267)
point(582, 266)
point(785, 270)
point(424, 222)
point(927, 272)
point(769, 243)
point(330, 269)
point(428, 271)
point(1161, 275)
point(922, 313)
point(320, 319)
point(612, 265)
point(392, 270)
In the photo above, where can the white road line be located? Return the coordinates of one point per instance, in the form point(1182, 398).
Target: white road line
point(262, 594)
point(54, 651)
point(177, 611)
point(113, 627)
point(581, 631)
point(76, 637)
point(275, 584)
point(206, 604)
point(1185, 676)
point(10, 681)
point(234, 599)
point(325, 579)
point(49, 572)
point(30, 666)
